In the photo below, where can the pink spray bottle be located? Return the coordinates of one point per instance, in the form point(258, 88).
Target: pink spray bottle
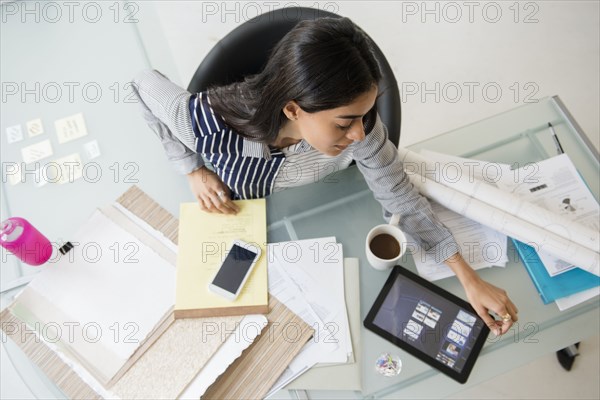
point(21, 238)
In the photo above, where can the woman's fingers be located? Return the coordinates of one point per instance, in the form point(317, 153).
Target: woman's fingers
point(489, 321)
point(507, 315)
point(218, 202)
point(206, 205)
point(512, 309)
point(224, 197)
point(210, 191)
point(221, 204)
point(499, 304)
point(506, 321)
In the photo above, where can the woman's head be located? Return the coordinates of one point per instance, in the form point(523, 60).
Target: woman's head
point(320, 65)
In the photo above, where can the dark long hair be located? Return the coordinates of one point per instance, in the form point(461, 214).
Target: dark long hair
point(321, 64)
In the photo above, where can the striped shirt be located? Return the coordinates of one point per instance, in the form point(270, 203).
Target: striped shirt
point(304, 167)
point(248, 168)
point(188, 127)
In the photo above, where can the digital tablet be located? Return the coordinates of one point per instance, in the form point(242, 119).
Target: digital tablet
point(428, 322)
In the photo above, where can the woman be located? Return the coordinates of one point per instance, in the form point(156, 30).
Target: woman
point(311, 108)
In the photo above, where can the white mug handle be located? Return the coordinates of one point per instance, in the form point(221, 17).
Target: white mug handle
point(395, 220)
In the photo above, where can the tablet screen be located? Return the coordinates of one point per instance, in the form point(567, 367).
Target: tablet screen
point(436, 326)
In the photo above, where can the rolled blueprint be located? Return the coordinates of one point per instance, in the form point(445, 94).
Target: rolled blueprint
point(509, 203)
point(509, 224)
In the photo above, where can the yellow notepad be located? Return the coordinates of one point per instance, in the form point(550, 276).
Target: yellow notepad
point(204, 239)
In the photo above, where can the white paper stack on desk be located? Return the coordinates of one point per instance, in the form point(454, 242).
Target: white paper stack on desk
point(481, 245)
point(545, 206)
point(524, 221)
point(308, 277)
point(112, 332)
point(122, 340)
point(113, 304)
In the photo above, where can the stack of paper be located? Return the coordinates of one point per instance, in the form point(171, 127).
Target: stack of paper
point(99, 321)
point(558, 187)
point(546, 205)
point(346, 376)
point(112, 302)
point(507, 213)
point(204, 239)
point(481, 246)
point(308, 277)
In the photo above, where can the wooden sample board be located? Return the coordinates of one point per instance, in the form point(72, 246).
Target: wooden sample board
point(250, 376)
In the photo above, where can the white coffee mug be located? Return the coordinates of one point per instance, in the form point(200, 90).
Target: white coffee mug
point(393, 230)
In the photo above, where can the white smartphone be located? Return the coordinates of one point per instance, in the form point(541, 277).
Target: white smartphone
point(235, 269)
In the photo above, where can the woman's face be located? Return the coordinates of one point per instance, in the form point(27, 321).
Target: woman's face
point(331, 131)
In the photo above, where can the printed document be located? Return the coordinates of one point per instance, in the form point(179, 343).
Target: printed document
point(481, 246)
point(307, 276)
point(556, 186)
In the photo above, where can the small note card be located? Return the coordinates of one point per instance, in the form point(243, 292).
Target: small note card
point(36, 152)
point(70, 128)
point(35, 127)
point(14, 134)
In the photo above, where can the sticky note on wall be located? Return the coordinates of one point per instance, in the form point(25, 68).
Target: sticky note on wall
point(35, 127)
point(70, 128)
point(36, 152)
point(14, 134)
point(92, 150)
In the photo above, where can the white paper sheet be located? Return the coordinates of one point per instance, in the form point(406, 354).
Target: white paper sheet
point(482, 247)
point(70, 128)
point(311, 273)
point(14, 134)
point(316, 269)
point(553, 222)
point(71, 168)
point(306, 359)
point(557, 187)
point(288, 294)
point(472, 170)
point(35, 127)
point(111, 291)
point(466, 199)
point(577, 298)
point(37, 151)
point(245, 334)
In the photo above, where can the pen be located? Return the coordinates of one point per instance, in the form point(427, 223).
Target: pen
point(559, 148)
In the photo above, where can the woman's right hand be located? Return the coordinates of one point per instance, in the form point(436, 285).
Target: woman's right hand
point(210, 191)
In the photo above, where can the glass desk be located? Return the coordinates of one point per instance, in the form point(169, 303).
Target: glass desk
point(103, 57)
point(343, 206)
point(64, 68)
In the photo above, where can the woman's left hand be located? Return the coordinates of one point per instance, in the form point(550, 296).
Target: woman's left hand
point(485, 297)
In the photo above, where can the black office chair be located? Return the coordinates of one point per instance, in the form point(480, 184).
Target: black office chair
point(250, 44)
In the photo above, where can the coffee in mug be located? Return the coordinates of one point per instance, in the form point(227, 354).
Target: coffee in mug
point(385, 246)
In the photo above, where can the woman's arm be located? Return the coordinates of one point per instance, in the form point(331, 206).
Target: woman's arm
point(378, 160)
point(166, 109)
point(164, 106)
